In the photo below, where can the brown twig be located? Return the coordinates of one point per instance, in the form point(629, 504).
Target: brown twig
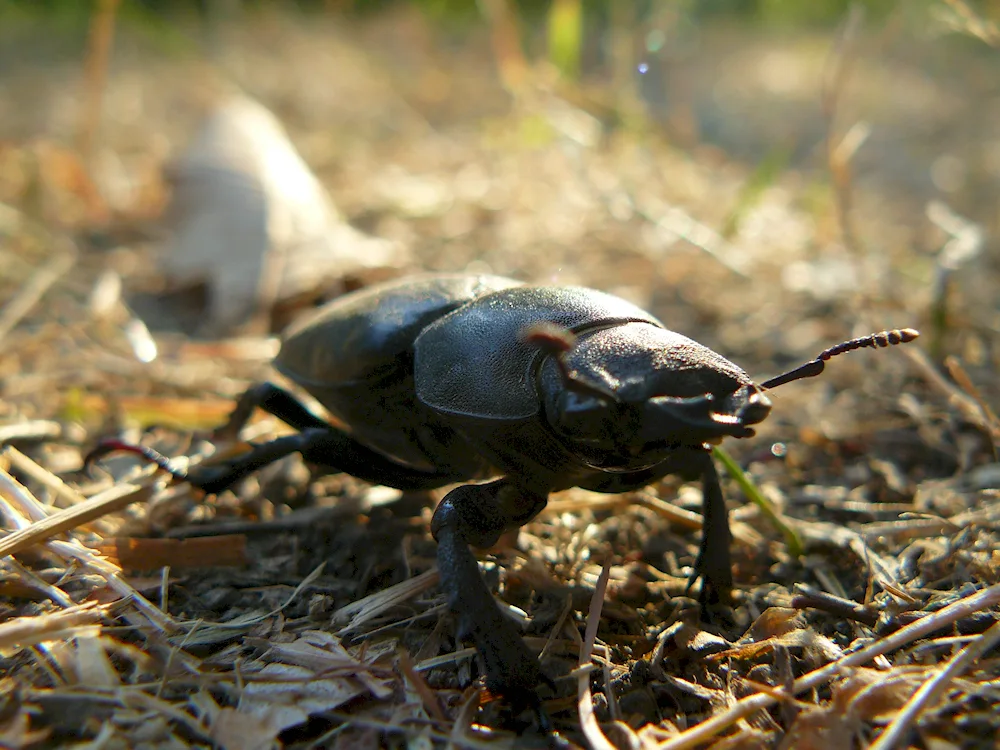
point(808, 597)
point(896, 732)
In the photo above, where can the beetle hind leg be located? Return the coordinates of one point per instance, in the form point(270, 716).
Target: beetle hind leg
point(319, 442)
point(328, 447)
point(477, 515)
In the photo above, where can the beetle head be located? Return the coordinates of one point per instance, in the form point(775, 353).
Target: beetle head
point(625, 396)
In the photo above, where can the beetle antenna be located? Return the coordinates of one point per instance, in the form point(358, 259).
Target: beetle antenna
point(872, 341)
point(114, 445)
point(557, 341)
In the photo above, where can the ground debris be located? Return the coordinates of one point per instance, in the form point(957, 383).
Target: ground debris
point(303, 611)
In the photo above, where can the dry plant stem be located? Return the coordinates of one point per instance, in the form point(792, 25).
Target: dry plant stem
point(154, 705)
point(109, 501)
point(709, 728)
point(42, 475)
point(246, 621)
point(807, 597)
point(76, 621)
point(960, 376)
point(38, 429)
point(29, 295)
point(34, 525)
point(505, 37)
point(930, 691)
point(676, 515)
point(102, 32)
point(557, 628)
point(686, 227)
point(884, 570)
point(437, 661)
point(623, 18)
point(986, 514)
point(964, 402)
point(112, 575)
point(585, 704)
point(427, 696)
point(838, 72)
point(975, 25)
point(29, 578)
point(466, 715)
point(363, 610)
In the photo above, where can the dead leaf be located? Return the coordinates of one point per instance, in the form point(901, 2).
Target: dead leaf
point(250, 219)
point(92, 665)
point(235, 730)
point(773, 622)
point(286, 696)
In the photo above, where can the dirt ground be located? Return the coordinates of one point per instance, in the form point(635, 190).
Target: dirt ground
point(768, 193)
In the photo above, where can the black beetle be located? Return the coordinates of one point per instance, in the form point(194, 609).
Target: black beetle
point(449, 378)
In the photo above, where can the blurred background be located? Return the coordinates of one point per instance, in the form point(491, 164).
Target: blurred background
point(768, 177)
point(180, 180)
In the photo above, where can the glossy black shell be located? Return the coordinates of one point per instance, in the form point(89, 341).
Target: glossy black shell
point(490, 376)
point(433, 371)
point(355, 356)
point(364, 333)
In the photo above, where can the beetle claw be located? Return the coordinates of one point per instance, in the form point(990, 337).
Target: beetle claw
point(524, 699)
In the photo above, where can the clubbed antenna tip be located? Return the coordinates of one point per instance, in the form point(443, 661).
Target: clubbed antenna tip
point(872, 341)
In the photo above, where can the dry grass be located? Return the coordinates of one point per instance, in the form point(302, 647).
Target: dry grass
point(305, 611)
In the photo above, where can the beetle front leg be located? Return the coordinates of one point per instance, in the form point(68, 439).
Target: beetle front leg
point(477, 515)
point(714, 563)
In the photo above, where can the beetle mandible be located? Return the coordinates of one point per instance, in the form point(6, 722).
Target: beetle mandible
point(447, 378)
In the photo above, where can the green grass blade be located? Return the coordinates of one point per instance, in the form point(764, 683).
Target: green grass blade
point(792, 540)
point(566, 37)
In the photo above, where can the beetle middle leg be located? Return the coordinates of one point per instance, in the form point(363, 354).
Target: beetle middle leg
point(277, 402)
point(714, 562)
point(477, 515)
